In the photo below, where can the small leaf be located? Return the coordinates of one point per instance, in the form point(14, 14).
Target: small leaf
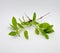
point(44, 34)
point(26, 34)
point(13, 27)
point(14, 22)
point(23, 18)
point(34, 16)
point(36, 31)
point(20, 25)
point(12, 33)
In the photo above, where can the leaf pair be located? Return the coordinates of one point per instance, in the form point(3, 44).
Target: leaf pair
point(46, 28)
point(15, 26)
point(35, 23)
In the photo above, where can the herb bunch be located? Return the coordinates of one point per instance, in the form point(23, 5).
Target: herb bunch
point(40, 28)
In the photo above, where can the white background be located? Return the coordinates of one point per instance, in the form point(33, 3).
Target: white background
point(35, 44)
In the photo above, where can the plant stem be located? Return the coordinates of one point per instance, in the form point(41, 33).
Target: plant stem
point(43, 16)
point(27, 17)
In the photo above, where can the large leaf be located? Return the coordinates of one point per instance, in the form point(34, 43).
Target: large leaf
point(34, 16)
point(26, 34)
point(47, 28)
point(44, 25)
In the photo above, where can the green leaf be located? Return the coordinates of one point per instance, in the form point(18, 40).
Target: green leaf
point(12, 33)
point(36, 31)
point(44, 25)
point(26, 34)
point(34, 16)
point(20, 25)
point(46, 28)
point(44, 34)
point(14, 22)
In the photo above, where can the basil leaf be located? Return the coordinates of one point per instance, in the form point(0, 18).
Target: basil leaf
point(36, 31)
point(12, 33)
point(14, 22)
point(20, 25)
point(34, 16)
point(26, 34)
